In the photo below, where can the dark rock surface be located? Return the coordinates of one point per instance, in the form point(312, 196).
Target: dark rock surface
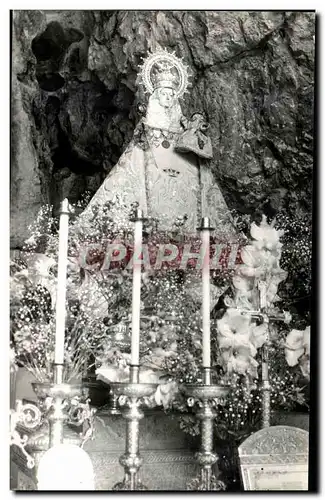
point(74, 99)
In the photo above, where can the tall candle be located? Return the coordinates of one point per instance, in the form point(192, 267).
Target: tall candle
point(206, 341)
point(136, 288)
point(61, 282)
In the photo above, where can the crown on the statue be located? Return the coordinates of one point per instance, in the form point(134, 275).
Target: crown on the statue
point(165, 79)
point(162, 69)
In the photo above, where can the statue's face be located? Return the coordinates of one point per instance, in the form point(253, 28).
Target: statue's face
point(197, 118)
point(166, 97)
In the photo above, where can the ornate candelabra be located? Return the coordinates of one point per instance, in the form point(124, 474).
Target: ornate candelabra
point(205, 398)
point(59, 404)
point(131, 396)
point(62, 404)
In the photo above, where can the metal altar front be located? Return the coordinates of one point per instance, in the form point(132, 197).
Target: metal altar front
point(275, 459)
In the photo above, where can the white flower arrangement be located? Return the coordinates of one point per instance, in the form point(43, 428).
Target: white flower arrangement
point(297, 350)
point(239, 336)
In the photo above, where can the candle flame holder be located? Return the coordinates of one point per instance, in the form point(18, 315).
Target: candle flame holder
point(205, 398)
point(131, 396)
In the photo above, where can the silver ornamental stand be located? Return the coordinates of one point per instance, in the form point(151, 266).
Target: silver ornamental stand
point(58, 404)
point(131, 396)
point(63, 403)
point(206, 398)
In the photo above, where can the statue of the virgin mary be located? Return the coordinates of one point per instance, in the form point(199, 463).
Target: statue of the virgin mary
point(165, 169)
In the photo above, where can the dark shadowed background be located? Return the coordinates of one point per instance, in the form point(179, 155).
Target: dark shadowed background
point(74, 99)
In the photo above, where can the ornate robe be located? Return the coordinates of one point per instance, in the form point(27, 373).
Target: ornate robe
point(168, 185)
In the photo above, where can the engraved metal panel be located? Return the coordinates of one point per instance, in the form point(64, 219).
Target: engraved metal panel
point(275, 458)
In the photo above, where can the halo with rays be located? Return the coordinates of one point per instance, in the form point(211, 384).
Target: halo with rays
point(163, 57)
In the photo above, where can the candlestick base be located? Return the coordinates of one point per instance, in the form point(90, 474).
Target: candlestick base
point(131, 396)
point(206, 482)
point(205, 398)
point(128, 485)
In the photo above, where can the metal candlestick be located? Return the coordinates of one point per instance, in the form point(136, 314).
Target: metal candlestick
point(206, 397)
point(132, 395)
point(63, 404)
point(56, 416)
point(40, 426)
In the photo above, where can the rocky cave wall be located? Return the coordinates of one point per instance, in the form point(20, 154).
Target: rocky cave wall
point(74, 98)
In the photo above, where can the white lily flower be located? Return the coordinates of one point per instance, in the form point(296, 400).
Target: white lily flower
point(297, 345)
point(266, 234)
point(234, 340)
point(165, 393)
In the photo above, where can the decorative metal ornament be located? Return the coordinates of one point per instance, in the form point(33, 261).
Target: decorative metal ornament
point(28, 416)
point(58, 404)
point(62, 403)
point(167, 64)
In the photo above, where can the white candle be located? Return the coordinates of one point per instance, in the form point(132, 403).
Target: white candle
point(205, 238)
point(61, 283)
point(136, 289)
